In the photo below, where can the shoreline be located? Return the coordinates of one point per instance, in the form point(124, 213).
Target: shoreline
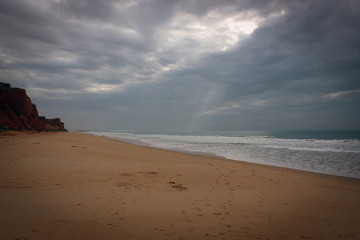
point(143, 144)
point(79, 186)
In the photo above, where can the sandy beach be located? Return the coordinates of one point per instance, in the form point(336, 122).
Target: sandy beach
point(78, 186)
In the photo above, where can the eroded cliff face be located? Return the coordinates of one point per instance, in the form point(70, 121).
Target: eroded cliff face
point(18, 113)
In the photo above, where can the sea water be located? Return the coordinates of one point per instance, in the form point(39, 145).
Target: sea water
point(328, 152)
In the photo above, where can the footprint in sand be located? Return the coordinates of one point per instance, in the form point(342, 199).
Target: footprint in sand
point(151, 173)
point(126, 174)
point(177, 186)
point(74, 146)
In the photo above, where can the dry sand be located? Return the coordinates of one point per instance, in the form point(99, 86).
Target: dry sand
point(77, 186)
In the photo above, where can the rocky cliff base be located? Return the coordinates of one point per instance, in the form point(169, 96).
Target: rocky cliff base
point(18, 113)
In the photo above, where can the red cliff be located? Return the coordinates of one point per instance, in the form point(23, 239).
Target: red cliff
point(18, 113)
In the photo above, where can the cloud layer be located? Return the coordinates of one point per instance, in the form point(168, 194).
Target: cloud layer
point(186, 65)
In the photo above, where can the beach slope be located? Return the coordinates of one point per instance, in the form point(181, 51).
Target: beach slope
point(78, 186)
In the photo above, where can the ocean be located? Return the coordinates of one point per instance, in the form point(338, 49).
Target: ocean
point(328, 152)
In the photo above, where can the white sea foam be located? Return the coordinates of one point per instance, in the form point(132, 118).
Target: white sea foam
point(335, 157)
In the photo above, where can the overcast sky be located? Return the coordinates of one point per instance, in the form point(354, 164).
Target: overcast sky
point(186, 64)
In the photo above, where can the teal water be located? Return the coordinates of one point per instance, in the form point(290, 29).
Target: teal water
point(310, 134)
point(324, 135)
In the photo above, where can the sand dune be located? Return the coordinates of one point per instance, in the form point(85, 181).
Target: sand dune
point(77, 186)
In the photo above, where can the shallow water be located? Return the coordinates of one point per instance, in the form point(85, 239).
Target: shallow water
point(329, 152)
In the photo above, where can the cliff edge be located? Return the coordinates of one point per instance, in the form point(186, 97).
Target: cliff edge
point(18, 113)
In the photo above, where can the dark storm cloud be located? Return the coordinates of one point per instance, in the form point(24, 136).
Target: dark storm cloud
point(85, 9)
point(24, 29)
point(291, 64)
point(140, 65)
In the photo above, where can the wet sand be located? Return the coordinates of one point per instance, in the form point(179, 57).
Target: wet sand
point(77, 186)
